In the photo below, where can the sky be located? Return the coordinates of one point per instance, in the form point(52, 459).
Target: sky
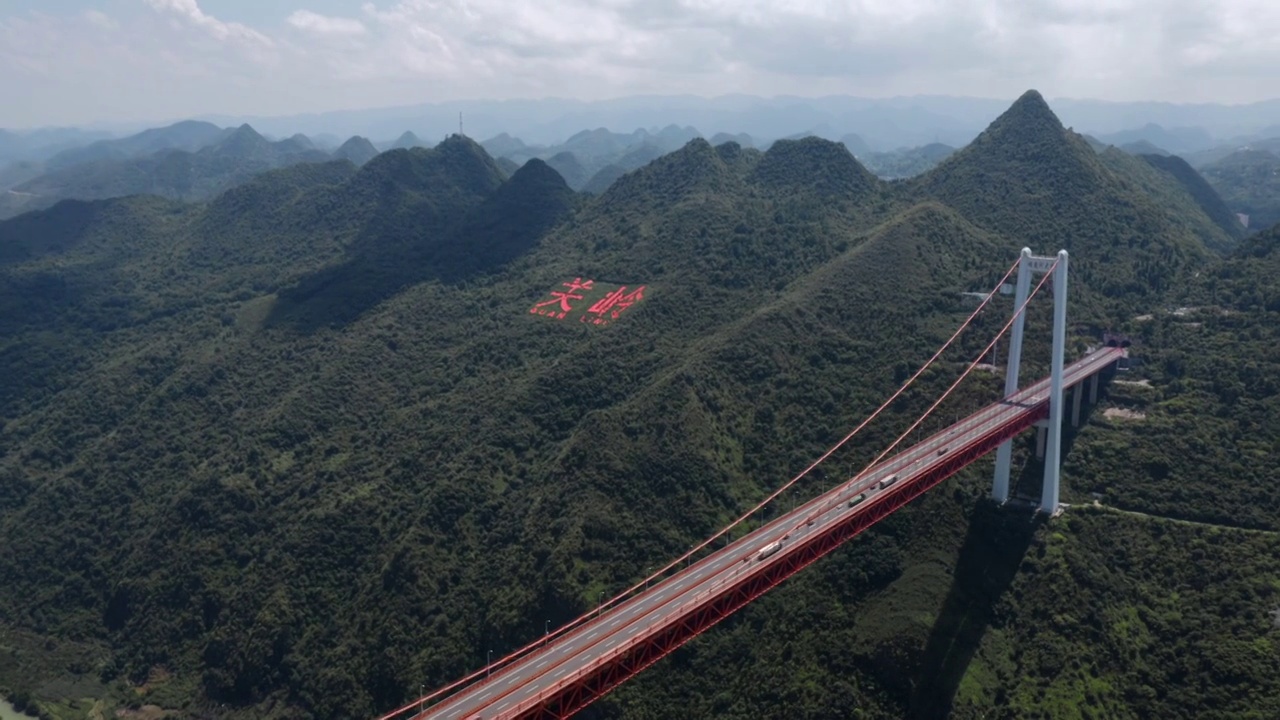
point(80, 62)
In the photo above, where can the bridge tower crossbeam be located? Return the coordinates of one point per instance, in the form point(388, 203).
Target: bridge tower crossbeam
point(1028, 265)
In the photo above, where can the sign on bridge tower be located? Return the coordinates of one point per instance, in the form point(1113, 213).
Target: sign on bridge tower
point(1027, 265)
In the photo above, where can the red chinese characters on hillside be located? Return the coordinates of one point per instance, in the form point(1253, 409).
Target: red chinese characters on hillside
point(562, 298)
point(588, 302)
point(612, 305)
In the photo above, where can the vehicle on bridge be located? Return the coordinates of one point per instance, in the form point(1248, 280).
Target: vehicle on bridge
point(769, 549)
point(888, 481)
point(857, 499)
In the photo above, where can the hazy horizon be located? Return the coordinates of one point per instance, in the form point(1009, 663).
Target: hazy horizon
point(117, 63)
point(131, 125)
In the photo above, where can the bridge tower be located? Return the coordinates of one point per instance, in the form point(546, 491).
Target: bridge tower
point(1027, 265)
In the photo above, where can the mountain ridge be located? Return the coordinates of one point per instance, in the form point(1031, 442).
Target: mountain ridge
point(993, 181)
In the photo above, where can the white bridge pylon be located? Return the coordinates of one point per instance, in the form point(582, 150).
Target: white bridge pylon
point(1028, 264)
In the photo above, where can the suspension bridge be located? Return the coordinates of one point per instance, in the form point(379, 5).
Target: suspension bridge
point(569, 668)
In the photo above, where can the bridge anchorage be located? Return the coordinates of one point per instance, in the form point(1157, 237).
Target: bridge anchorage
point(565, 669)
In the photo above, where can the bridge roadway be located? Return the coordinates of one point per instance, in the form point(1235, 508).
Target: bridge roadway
point(525, 687)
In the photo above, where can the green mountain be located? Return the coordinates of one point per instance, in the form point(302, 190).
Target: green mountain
point(907, 162)
point(599, 152)
point(633, 159)
point(1204, 197)
point(603, 179)
point(814, 166)
point(856, 144)
point(407, 140)
point(302, 448)
point(190, 135)
point(1143, 147)
point(296, 143)
point(1249, 182)
point(1177, 139)
point(1181, 192)
point(1205, 157)
point(243, 142)
point(1095, 143)
point(502, 145)
point(39, 145)
point(19, 172)
point(742, 139)
point(177, 174)
point(1041, 185)
point(569, 168)
point(356, 149)
point(507, 165)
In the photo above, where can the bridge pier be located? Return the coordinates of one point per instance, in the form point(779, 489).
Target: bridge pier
point(1041, 433)
point(1076, 396)
point(1093, 390)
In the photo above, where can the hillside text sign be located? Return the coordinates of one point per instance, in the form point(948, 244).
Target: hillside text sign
point(588, 302)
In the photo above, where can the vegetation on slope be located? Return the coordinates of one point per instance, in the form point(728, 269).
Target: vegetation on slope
point(1028, 178)
point(1185, 197)
point(1124, 616)
point(304, 448)
point(907, 162)
point(1161, 600)
point(1205, 197)
point(1249, 181)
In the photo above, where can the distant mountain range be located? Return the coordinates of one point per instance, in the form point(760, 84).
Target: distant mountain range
point(592, 158)
point(885, 124)
point(194, 160)
point(190, 135)
point(43, 143)
point(187, 161)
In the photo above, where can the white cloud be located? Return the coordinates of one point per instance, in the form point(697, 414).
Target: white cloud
point(1108, 48)
point(234, 32)
point(404, 51)
point(324, 25)
point(101, 20)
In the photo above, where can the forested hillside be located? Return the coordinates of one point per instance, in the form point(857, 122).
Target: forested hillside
point(334, 435)
point(1249, 181)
